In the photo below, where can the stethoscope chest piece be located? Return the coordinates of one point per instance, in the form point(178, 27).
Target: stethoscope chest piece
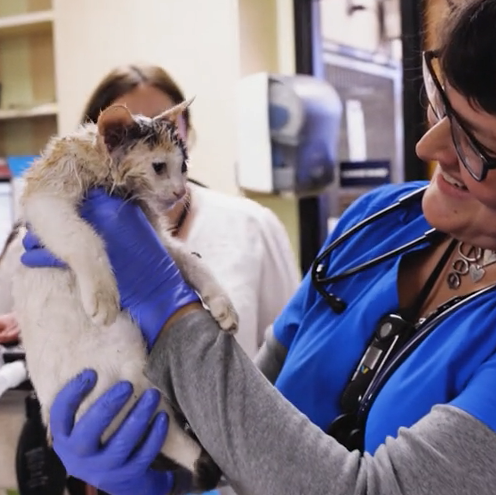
point(391, 326)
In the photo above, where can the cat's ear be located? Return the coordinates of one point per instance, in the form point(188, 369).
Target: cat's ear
point(172, 114)
point(113, 124)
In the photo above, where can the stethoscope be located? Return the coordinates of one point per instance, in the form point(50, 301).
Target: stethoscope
point(422, 328)
point(319, 267)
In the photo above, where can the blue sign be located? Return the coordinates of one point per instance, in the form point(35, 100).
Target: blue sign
point(18, 164)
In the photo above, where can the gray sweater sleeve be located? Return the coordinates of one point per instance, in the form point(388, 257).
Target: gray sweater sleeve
point(264, 445)
point(271, 356)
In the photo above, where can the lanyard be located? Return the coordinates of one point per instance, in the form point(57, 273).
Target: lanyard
point(394, 339)
point(392, 333)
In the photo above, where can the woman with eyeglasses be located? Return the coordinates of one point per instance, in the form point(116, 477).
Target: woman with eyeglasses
point(377, 380)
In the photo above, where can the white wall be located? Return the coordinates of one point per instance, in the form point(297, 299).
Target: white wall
point(361, 29)
point(266, 36)
point(196, 40)
point(207, 45)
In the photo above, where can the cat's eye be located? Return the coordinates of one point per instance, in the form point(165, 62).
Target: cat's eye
point(184, 167)
point(159, 167)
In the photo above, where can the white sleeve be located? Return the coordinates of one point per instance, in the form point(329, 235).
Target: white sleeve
point(280, 276)
point(9, 260)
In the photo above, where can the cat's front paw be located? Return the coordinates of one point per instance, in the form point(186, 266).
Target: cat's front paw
point(223, 312)
point(100, 299)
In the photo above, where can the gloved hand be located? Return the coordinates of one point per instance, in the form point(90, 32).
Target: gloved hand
point(150, 284)
point(121, 465)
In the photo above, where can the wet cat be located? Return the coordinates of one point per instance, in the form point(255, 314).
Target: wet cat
point(70, 319)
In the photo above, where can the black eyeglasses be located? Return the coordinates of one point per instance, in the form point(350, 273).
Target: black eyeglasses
point(470, 152)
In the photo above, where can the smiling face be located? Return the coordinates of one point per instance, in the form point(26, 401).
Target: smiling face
point(455, 202)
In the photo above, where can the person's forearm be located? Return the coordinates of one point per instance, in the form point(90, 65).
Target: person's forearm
point(270, 357)
point(265, 445)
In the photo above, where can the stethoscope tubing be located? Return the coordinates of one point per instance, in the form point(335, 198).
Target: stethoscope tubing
point(409, 198)
point(319, 267)
point(423, 328)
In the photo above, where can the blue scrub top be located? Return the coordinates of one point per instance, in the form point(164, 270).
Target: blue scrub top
point(455, 364)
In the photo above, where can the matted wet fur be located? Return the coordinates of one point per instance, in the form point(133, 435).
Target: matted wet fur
point(70, 319)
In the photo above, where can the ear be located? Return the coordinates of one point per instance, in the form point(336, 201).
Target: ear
point(173, 113)
point(113, 124)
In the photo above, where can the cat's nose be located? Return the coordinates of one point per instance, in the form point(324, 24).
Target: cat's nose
point(179, 193)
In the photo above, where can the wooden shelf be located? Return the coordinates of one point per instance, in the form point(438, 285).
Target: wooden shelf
point(23, 24)
point(38, 111)
point(28, 108)
point(26, 136)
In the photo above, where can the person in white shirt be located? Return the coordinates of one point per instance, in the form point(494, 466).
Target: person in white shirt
point(247, 248)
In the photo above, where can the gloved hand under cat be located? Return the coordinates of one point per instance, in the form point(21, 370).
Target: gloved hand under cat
point(150, 285)
point(121, 465)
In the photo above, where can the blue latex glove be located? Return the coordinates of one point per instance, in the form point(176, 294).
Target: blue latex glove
point(150, 284)
point(120, 466)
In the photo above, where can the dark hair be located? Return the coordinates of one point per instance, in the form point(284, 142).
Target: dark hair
point(124, 79)
point(468, 51)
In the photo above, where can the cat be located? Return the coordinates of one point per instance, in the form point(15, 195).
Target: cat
point(71, 319)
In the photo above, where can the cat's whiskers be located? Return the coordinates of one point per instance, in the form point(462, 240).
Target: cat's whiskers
point(186, 201)
point(128, 199)
point(113, 187)
point(75, 172)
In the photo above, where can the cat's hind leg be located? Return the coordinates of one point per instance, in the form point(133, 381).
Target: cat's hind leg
point(183, 448)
